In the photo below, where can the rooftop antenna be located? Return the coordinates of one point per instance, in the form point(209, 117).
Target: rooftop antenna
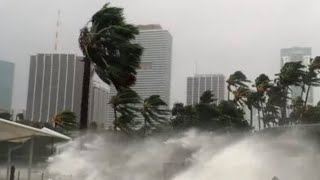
point(57, 32)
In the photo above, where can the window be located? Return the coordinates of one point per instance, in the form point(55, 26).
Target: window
point(146, 65)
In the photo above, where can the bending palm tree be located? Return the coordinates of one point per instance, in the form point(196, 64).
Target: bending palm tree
point(291, 74)
point(235, 80)
point(262, 84)
point(154, 111)
point(66, 120)
point(124, 103)
point(253, 102)
point(240, 94)
point(106, 42)
point(311, 78)
point(207, 97)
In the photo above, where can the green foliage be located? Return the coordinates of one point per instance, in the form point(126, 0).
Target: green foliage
point(235, 80)
point(311, 115)
point(206, 115)
point(5, 115)
point(20, 116)
point(125, 103)
point(240, 94)
point(297, 109)
point(66, 120)
point(207, 97)
point(154, 111)
point(291, 74)
point(106, 41)
point(262, 83)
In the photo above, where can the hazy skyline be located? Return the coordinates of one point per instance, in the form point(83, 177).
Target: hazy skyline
point(221, 36)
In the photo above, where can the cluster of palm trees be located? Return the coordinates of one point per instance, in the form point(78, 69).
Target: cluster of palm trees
point(107, 44)
point(273, 100)
point(209, 115)
point(129, 105)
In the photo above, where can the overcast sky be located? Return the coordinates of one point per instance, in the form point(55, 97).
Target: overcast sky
point(222, 36)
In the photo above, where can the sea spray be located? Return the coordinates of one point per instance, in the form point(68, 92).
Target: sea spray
point(202, 156)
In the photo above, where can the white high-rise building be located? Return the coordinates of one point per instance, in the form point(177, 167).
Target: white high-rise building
point(295, 54)
point(198, 84)
point(154, 75)
point(55, 85)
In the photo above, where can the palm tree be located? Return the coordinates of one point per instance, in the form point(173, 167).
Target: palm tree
point(276, 98)
point(252, 102)
point(191, 115)
point(262, 84)
point(297, 109)
point(207, 97)
point(106, 42)
point(311, 78)
point(240, 94)
point(154, 111)
point(291, 74)
point(235, 80)
point(125, 103)
point(66, 120)
point(178, 115)
point(207, 111)
point(271, 115)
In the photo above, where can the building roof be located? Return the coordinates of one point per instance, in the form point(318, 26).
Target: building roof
point(15, 132)
point(149, 27)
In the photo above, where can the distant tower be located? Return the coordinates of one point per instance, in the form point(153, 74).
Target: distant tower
point(200, 83)
point(57, 32)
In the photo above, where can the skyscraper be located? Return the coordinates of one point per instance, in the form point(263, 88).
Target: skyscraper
point(55, 85)
point(6, 85)
point(296, 54)
point(154, 75)
point(198, 84)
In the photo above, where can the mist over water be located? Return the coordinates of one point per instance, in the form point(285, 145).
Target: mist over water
point(192, 155)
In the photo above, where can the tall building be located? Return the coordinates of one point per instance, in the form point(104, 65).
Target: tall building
point(55, 85)
point(198, 84)
point(154, 75)
point(295, 54)
point(98, 103)
point(6, 85)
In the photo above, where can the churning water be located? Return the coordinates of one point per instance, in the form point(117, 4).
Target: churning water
point(190, 156)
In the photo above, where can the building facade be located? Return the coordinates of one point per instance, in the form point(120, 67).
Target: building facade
point(98, 103)
point(6, 85)
point(198, 84)
point(55, 85)
point(154, 75)
point(296, 54)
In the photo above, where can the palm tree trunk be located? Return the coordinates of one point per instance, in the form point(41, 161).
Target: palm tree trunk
point(259, 123)
point(85, 95)
point(306, 100)
point(284, 106)
point(228, 95)
point(145, 125)
point(251, 117)
point(115, 121)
